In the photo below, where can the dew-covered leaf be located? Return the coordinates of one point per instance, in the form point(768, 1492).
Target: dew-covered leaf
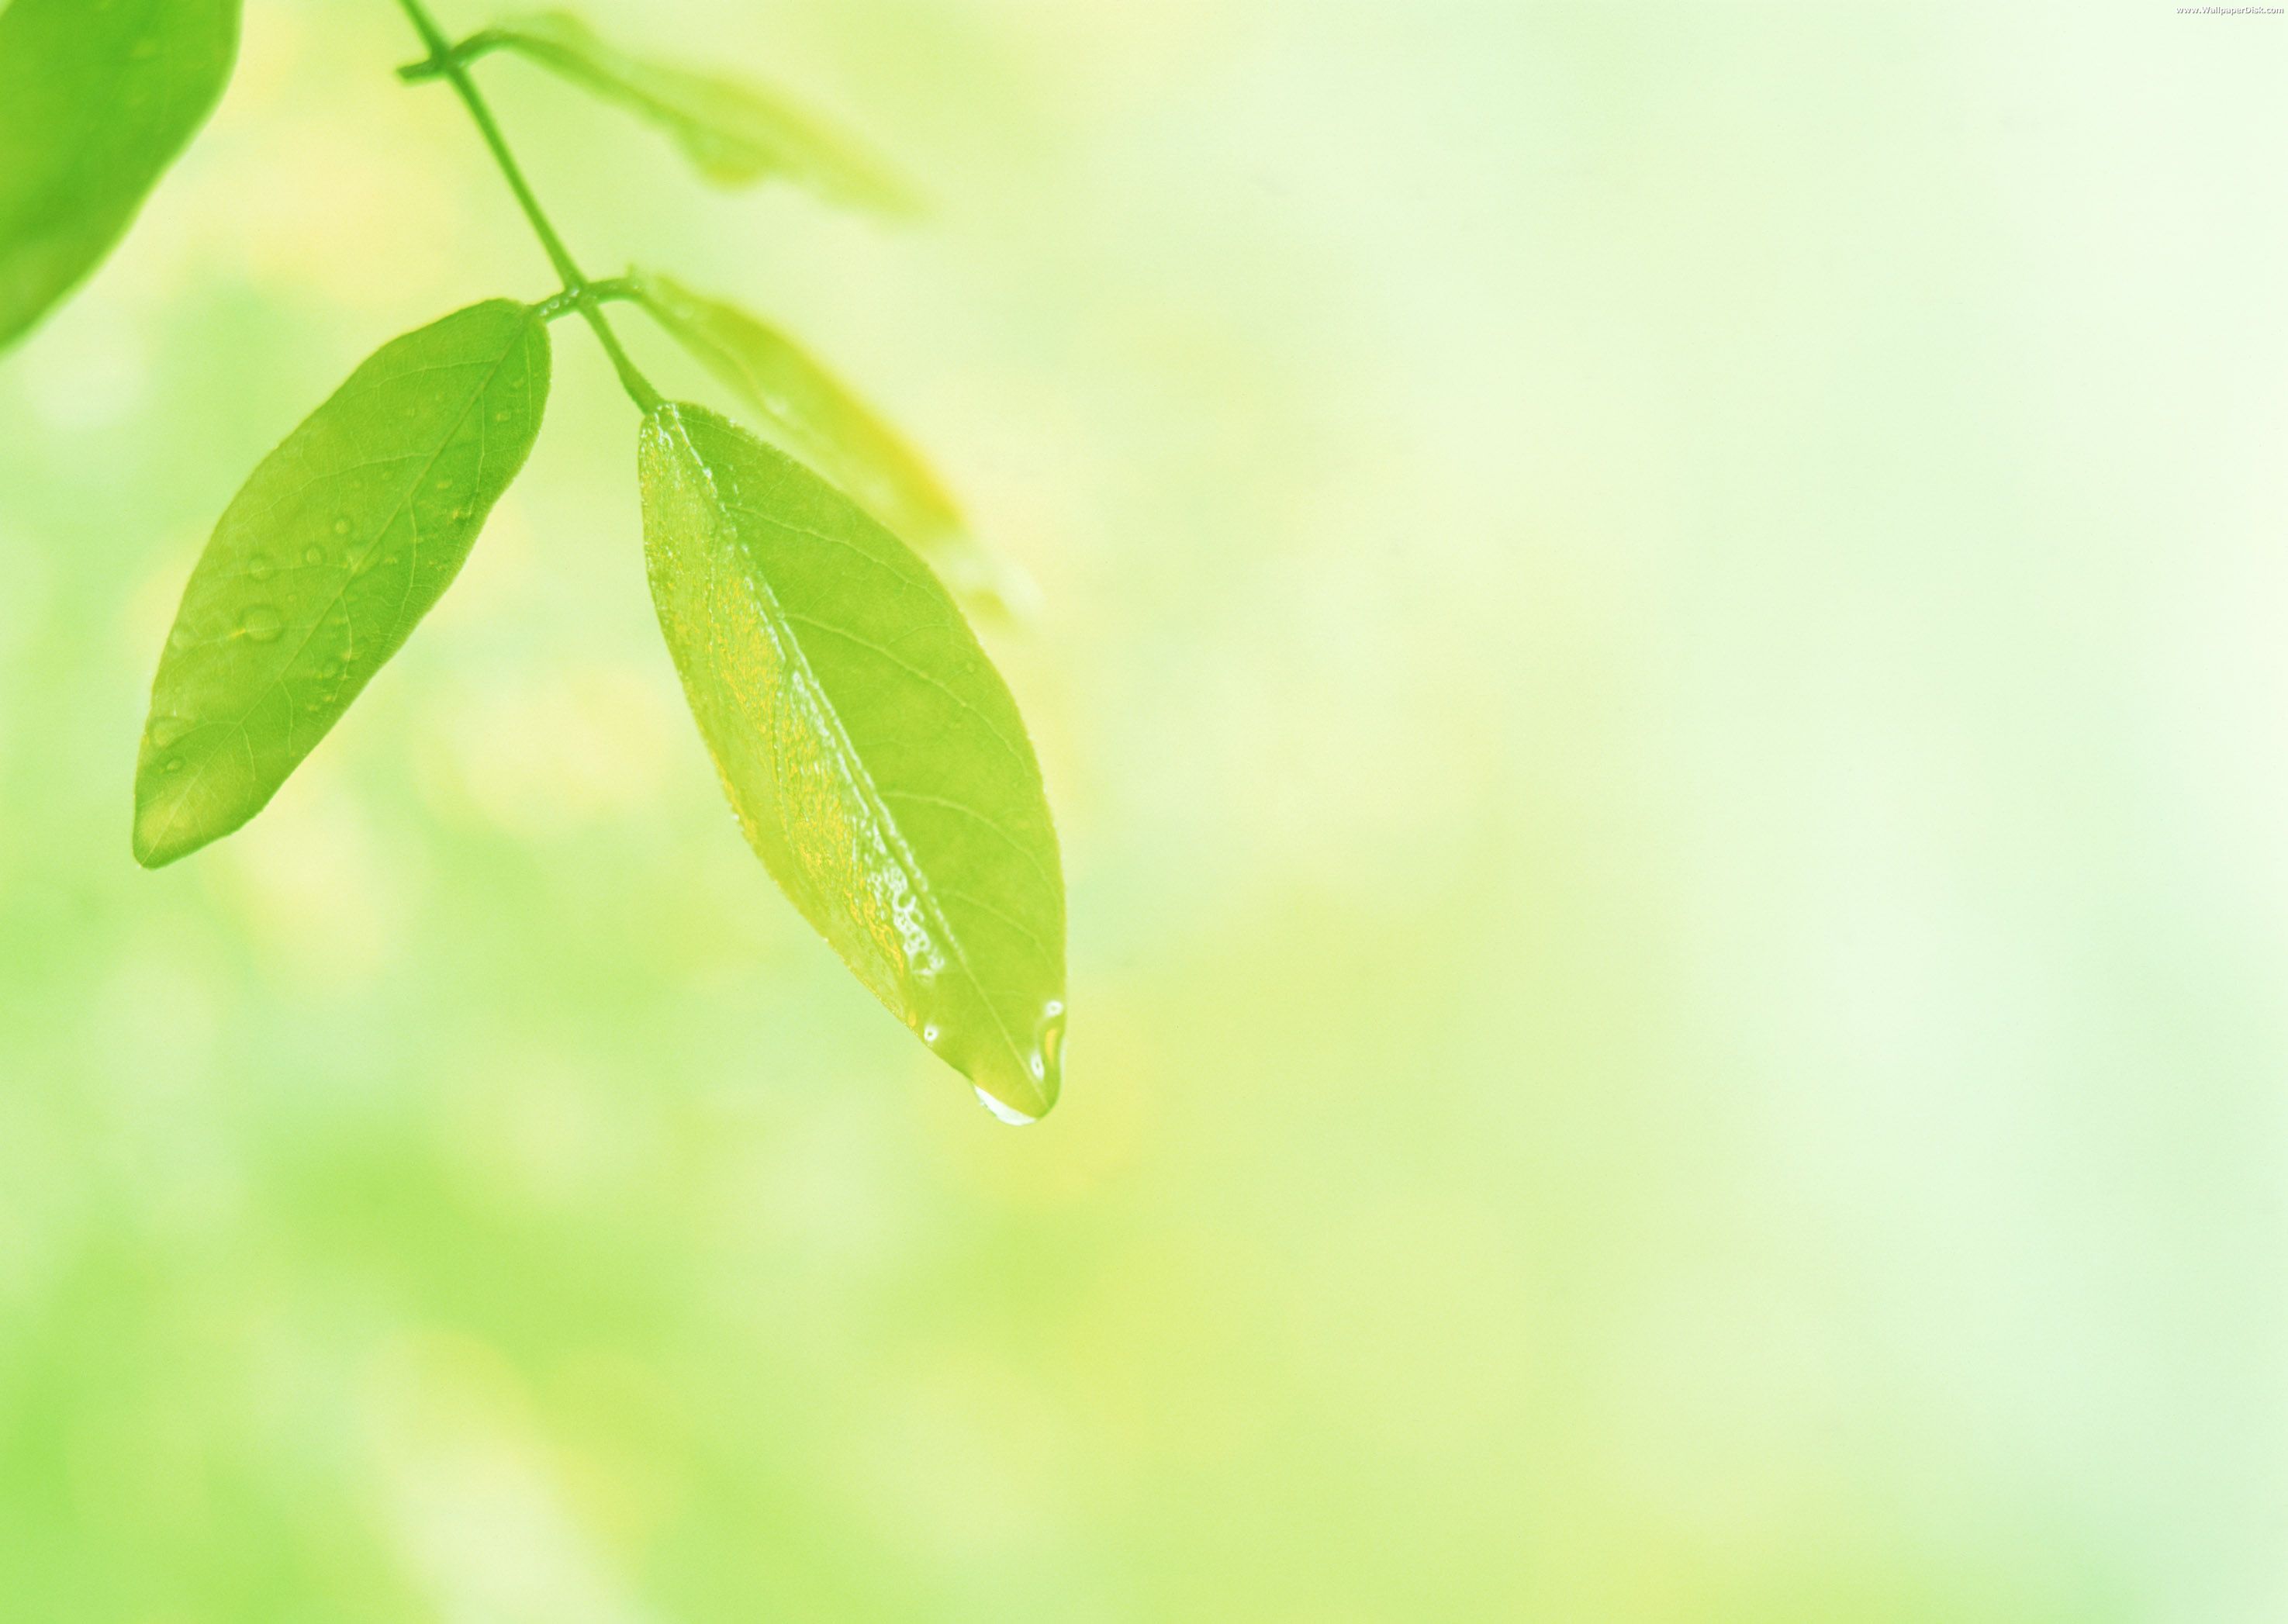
point(97, 99)
point(333, 551)
point(734, 133)
point(873, 755)
point(805, 409)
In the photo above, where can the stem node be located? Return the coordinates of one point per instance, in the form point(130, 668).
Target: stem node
point(446, 61)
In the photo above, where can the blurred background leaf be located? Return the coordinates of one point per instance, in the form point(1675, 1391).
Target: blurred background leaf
point(1662, 685)
point(95, 102)
point(733, 131)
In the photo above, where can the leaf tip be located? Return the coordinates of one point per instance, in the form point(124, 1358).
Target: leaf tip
point(152, 850)
point(1020, 1090)
point(165, 831)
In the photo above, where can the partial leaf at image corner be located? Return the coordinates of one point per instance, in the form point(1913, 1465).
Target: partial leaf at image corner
point(98, 98)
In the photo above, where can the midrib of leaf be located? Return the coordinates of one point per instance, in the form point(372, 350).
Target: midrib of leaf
point(780, 625)
point(404, 505)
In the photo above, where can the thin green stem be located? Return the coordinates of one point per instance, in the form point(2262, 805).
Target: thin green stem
point(614, 290)
point(578, 293)
point(634, 381)
point(482, 43)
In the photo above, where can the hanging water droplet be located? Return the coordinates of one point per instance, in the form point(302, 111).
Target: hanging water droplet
point(1005, 1112)
point(930, 1034)
point(260, 624)
point(1048, 1062)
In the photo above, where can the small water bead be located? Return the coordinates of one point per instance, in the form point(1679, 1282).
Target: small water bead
point(260, 624)
point(341, 526)
point(174, 763)
point(314, 556)
point(166, 730)
point(1005, 1112)
point(182, 636)
point(258, 567)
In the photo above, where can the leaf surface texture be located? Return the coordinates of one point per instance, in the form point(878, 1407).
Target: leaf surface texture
point(342, 540)
point(875, 759)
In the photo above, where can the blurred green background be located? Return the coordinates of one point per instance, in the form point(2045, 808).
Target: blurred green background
point(1663, 682)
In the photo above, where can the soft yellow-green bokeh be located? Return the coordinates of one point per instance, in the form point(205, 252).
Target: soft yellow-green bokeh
point(1665, 680)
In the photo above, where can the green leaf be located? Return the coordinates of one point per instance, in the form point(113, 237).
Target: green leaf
point(344, 538)
point(875, 759)
point(97, 99)
point(806, 410)
point(737, 134)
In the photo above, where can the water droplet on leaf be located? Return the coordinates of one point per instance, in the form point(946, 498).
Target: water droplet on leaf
point(260, 624)
point(1008, 1113)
